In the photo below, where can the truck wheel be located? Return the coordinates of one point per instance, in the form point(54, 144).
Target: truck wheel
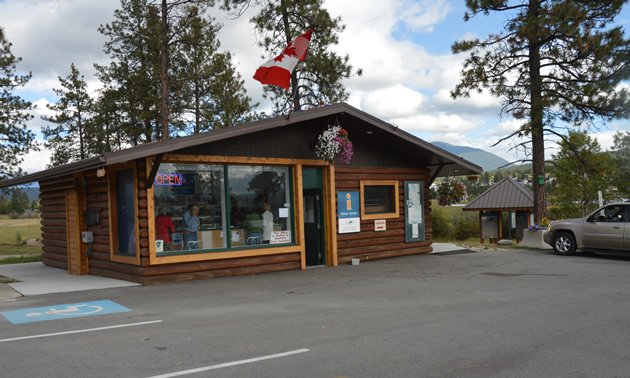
point(563, 244)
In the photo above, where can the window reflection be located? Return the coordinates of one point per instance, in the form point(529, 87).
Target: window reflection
point(259, 205)
point(125, 213)
point(193, 197)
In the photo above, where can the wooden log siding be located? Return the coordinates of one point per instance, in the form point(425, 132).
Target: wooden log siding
point(96, 196)
point(53, 212)
point(369, 244)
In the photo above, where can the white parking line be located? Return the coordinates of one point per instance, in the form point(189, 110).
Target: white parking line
point(79, 331)
point(228, 364)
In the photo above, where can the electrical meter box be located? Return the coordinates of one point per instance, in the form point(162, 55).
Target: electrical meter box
point(87, 236)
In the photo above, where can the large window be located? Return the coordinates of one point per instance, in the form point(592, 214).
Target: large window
point(123, 215)
point(201, 207)
point(125, 209)
point(379, 199)
point(260, 211)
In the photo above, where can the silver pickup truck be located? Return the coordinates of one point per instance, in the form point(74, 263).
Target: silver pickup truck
point(607, 229)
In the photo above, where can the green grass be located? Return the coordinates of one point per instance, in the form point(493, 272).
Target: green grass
point(28, 228)
point(13, 236)
point(449, 211)
point(5, 280)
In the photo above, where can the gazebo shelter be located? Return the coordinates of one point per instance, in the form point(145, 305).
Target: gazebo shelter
point(506, 195)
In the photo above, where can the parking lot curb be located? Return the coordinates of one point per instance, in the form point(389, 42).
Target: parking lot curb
point(7, 292)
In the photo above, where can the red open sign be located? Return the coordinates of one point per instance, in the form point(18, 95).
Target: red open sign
point(168, 179)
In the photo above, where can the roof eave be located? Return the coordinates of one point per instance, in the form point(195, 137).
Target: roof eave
point(79, 166)
point(448, 165)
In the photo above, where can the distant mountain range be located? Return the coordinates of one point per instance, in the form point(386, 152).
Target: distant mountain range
point(487, 160)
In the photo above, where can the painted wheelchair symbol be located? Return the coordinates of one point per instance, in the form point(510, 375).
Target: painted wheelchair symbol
point(70, 310)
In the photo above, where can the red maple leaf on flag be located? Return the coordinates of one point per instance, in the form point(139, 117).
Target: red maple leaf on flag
point(289, 51)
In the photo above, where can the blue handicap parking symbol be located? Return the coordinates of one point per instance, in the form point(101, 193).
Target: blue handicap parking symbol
point(63, 311)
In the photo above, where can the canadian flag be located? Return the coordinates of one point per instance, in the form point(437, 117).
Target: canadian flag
point(278, 71)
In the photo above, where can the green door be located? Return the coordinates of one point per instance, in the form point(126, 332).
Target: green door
point(315, 252)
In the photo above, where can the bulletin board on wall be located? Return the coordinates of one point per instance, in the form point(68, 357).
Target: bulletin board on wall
point(490, 225)
point(414, 211)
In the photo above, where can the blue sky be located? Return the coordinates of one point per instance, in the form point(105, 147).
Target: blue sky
point(403, 46)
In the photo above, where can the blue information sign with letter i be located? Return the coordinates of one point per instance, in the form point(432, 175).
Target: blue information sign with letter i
point(348, 211)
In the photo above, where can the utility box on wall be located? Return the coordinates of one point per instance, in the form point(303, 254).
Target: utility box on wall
point(91, 217)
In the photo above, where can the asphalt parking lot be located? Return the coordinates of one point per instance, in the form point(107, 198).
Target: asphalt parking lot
point(508, 313)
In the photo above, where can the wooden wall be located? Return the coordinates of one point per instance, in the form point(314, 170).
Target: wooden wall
point(55, 244)
point(221, 268)
point(369, 244)
point(52, 195)
point(100, 260)
point(365, 245)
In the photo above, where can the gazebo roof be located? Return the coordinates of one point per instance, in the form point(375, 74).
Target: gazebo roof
point(507, 194)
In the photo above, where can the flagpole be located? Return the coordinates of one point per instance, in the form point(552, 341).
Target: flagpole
point(292, 97)
point(297, 86)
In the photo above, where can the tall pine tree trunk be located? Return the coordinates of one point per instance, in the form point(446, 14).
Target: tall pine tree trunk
point(164, 72)
point(538, 141)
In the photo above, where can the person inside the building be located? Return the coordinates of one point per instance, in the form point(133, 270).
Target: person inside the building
point(164, 229)
point(190, 227)
point(253, 224)
point(267, 224)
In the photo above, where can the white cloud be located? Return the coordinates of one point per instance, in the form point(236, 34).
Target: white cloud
point(438, 124)
point(423, 15)
point(503, 129)
point(36, 161)
point(49, 35)
point(392, 102)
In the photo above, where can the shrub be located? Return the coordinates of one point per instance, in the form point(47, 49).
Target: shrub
point(466, 226)
point(31, 214)
point(442, 228)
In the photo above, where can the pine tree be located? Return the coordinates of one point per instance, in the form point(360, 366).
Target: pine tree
point(69, 139)
point(621, 149)
point(319, 79)
point(166, 76)
point(555, 60)
point(134, 71)
point(19, 201)
point(212, 92)
point(176, 17)
point(581, 169)
point(108, 125)
point(15, 139)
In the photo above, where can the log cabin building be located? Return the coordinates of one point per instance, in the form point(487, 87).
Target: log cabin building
point(265, 202)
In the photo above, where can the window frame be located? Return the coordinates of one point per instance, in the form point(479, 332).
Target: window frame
point(396, 206)
point(294, 166)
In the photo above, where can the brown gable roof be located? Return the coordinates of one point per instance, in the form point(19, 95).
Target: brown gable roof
point(507, 194)
point(441, 162)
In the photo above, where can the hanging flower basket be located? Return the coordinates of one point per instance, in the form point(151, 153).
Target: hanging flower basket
point(450, 192)
point(333, 146)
